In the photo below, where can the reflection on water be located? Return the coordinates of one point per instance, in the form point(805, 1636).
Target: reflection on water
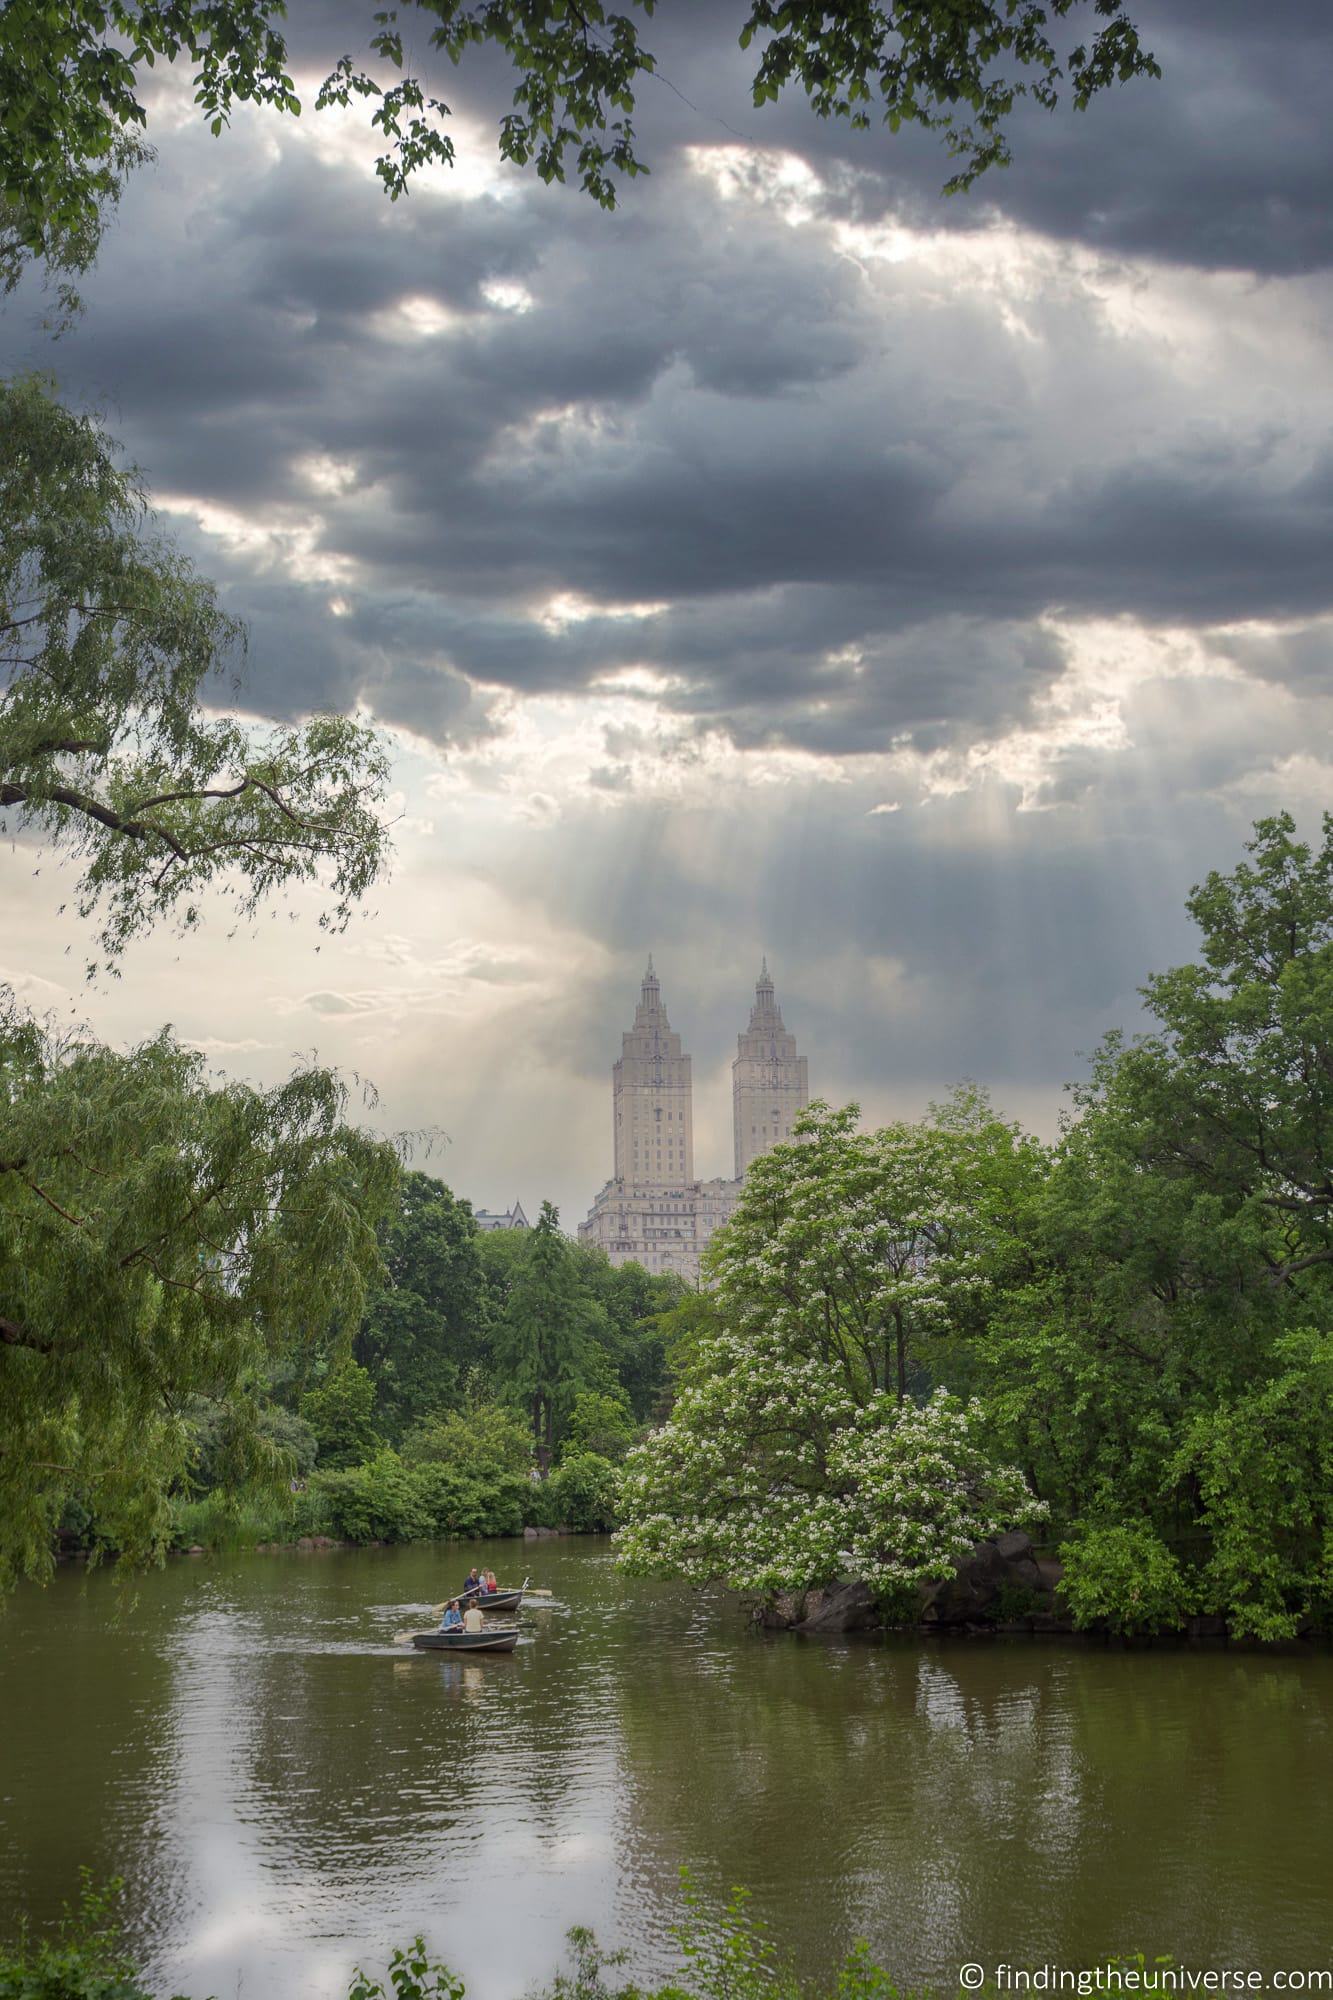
point(285, 1791)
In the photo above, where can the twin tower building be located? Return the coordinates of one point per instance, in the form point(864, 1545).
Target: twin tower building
point(653, 1211)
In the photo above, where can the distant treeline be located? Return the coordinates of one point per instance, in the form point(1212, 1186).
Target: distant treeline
point(496, 1381)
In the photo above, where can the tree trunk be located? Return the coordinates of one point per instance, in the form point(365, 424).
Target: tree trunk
point(541, 1432)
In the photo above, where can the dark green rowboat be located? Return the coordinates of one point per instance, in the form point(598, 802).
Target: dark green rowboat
point(495, 1639)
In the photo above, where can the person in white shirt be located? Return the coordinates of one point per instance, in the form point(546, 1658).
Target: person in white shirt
point(473, 1620)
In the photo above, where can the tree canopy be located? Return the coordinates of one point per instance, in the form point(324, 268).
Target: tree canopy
point(428, 1325)
point(71, 82)
point(110, 645)
point(166, 1241)
point(795, 1450)
point(1162, 1362)
point(163, 1237)
point(541, 1341)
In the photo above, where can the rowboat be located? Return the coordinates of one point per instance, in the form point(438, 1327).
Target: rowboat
point(497, 1639)
point(495, 1600)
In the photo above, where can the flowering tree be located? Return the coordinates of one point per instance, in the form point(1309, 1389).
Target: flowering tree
point(866, 1249)
point(795, 1453)
point(770, 1477)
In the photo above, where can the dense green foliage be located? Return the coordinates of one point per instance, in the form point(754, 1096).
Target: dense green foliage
point(1127, 1580)
point(72, 109)
point(459, 1473)
point(1164, 1357)
point(109, 646)
point(484, 1359)
point(224, 1519)
point(427, 1327)
point(339, 1412)
point(1142, 1316)
point(543, 1336)
point(162, 1237)
point(584, 1492)
point(601, 1423)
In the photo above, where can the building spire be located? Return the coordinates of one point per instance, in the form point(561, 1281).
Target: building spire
point(769, 1084)
point(650, 997)
point(765, 1011)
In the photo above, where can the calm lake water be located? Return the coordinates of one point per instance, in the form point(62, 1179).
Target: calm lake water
point(285, 1791)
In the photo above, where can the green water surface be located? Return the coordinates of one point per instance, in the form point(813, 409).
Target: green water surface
point(285, 1791)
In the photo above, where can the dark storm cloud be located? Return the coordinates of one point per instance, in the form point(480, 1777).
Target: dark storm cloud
point(302, 656)
point(855, 501)
point(1225, 162)
point(1300, 659)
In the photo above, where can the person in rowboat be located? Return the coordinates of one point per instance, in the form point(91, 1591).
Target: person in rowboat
point(473, 1583)
point(473, 1620)
point(491, 1586)
point(452, 1620)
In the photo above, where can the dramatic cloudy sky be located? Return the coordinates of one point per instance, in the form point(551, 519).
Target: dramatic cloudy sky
point(923, 592)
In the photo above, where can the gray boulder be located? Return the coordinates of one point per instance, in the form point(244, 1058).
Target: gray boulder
point(843, 1607)
point(1002, 1582)
point(782, 1611)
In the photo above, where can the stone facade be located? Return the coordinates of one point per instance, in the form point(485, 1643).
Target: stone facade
point(652, 1099)
point(769, 1084)
point(655, 1227)
point(653, 1211)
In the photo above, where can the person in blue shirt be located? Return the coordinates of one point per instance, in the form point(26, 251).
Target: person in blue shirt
point(452, 1620)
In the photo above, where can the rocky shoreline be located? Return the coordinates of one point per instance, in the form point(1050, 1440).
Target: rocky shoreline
point(1004, 1587)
